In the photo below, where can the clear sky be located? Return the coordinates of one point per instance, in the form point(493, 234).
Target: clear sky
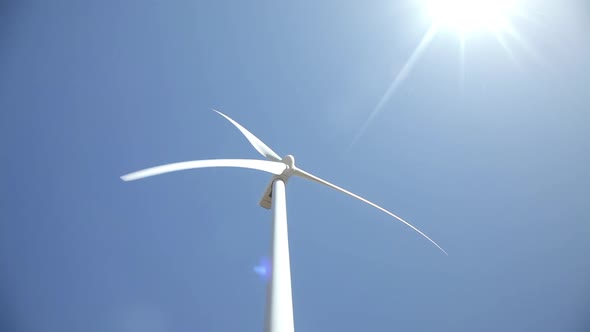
point(485, 150)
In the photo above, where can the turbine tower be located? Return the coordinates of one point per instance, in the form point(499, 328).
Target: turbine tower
point(279, 304)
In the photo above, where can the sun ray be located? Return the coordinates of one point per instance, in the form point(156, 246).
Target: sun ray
point(400, 78)
point(466, 18)
point(502, 41)
point(462, 64)
point(523, 42)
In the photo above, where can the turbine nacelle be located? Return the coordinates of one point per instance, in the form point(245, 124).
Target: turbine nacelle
point(266, 200)
point(289, 161)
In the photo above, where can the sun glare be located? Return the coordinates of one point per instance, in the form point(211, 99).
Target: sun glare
point(466, 16)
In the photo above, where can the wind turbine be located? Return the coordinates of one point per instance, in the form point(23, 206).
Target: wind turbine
point(279, 304)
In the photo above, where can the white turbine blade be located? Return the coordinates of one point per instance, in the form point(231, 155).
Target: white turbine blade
point(255, 141)
point(261, 165)
point(305, 175)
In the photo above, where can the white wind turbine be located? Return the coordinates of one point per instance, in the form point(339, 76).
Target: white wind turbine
point(279, 307)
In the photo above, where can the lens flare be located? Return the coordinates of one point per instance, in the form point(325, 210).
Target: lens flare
point(263, 269)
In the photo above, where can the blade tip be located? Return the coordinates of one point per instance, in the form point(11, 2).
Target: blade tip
point(126, 177)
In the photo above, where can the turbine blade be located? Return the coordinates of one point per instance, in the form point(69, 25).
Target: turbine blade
point(261, 165)
point(262, 148)
point(306, 175)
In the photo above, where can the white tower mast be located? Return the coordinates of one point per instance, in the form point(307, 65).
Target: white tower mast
point(279, 303)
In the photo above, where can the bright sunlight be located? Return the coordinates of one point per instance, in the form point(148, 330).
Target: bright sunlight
point(466, 16)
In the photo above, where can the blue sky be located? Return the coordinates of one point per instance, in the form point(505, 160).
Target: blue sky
point(492, 164)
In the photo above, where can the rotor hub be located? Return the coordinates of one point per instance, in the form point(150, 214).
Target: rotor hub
point(289, 160)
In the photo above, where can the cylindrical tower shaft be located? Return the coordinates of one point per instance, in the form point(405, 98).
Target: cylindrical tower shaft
point(279, 302)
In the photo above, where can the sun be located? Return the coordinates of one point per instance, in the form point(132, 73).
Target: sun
point(468, 16)
point(467, 19)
